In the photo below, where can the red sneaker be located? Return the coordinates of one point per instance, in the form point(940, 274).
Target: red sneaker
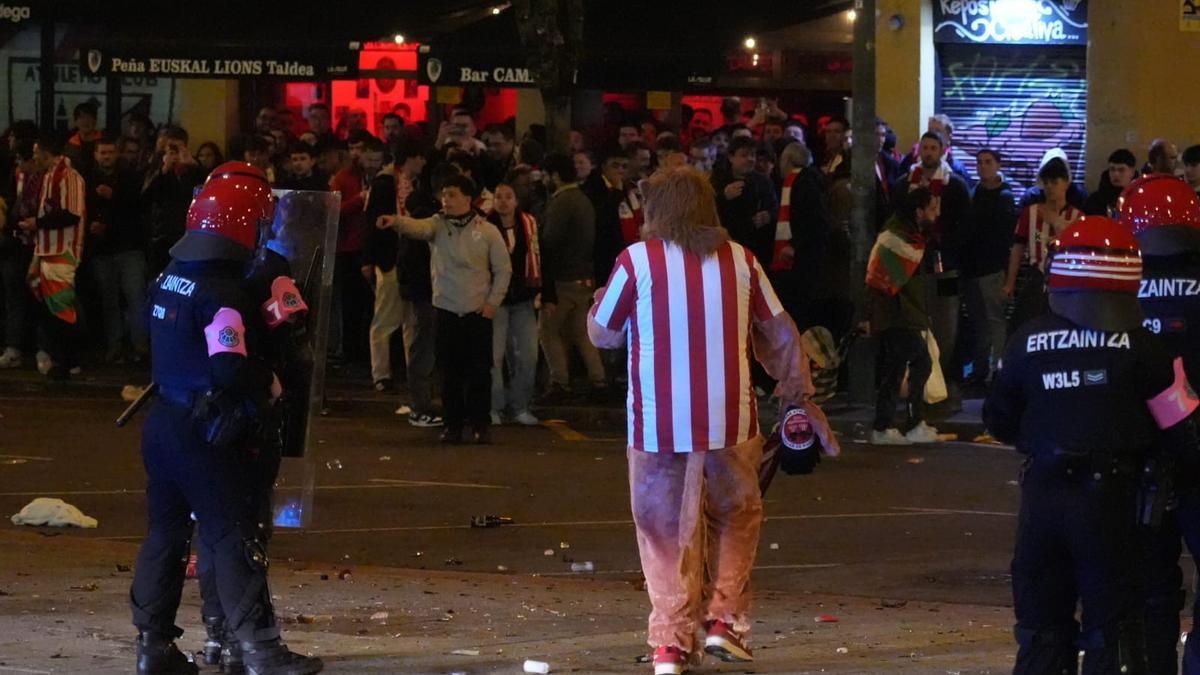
point(724, 643)
point(670, 661)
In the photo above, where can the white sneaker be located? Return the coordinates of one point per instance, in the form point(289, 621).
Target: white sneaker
point(11, 358)
point(889, 437)
point(922, 433)
point(44, 362)
point(496, 421)
point(526, 418)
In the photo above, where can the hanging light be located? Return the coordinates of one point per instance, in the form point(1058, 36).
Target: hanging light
point(399, 39)
point(852, 15)
point(750, 42)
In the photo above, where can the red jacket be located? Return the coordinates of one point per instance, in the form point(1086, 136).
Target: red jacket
point(352, 225)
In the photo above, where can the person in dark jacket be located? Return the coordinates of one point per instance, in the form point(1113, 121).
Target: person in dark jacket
point(514, 327)
point(116, 248)
point(796, 266)
point(381, 251)
point(167, 193)
point(618, 211)
point(1120, 173)
point(410, 262)
point(993, 217)
point(897, 314)
point(303, 173)
point(746, 201)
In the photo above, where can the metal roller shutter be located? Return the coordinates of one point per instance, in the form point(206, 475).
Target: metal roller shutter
point(1021, 101)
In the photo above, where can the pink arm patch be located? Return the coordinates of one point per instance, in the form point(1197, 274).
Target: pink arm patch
point(1178, 401)
point(226, 334)
point(284, 304)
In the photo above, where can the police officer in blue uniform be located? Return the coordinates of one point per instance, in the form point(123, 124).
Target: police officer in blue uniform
point(1087, 394)
point(1164, 214)
point(211, 387)
point(285, 349)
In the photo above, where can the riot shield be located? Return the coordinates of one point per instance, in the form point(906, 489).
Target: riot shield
point(304, 234)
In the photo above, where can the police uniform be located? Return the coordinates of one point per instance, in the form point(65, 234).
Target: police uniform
point(275, 297)
point(1164, 214)
point(1084, 393)
point(202, 329)
point(212, 383)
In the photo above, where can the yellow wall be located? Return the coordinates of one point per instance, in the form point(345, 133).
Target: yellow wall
point(207, 109)
point(904, 84)
point(1141, 84)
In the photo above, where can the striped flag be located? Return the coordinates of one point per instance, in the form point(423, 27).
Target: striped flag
point(894, 258)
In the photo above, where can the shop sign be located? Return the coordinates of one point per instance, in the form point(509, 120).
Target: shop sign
point(15, 13)
point(1189, 15)
point(450, 69)
point(100, 62)
point(1012, 22)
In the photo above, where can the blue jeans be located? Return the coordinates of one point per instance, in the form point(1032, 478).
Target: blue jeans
point(121, 277)
point(515, 337)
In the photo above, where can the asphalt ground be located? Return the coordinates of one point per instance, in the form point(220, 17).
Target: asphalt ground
point(922, 524)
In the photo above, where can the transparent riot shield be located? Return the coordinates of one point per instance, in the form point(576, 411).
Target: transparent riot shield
point(304, 233)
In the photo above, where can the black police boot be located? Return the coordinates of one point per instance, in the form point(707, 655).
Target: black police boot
point(273, 658)
point(214, 627)
point(158, 655)
point(231, 656)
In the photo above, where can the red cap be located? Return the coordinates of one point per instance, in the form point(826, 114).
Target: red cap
point(1095, 254)
point(233, 204)
point(1158, 200)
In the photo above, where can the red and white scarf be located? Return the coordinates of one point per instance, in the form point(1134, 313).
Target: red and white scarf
point(629, 212)
point(935, 182)
point(783, 226)
point(533, 258)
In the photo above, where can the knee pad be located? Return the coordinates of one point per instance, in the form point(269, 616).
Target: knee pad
point(1166, 604)
point(1123, 646)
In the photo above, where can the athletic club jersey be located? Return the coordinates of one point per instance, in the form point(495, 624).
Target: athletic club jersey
point(1035, 233)
point(688, 322)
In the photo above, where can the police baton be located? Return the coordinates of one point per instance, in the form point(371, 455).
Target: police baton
point(137, 404)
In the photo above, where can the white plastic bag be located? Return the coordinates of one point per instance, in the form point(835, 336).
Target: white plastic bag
point(935, 386)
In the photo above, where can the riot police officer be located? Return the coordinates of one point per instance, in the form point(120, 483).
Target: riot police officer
point(1085, 393)
point(1164, 214)
point(211, 386)
point(285, 348)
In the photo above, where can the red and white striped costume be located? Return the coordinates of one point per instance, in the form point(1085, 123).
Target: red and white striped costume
point(689, 321)
point(783, 226)
point(1035, 234)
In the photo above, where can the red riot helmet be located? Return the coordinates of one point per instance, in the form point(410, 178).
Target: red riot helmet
point(1094, 273)
point(227, 215)
point(1163, 212)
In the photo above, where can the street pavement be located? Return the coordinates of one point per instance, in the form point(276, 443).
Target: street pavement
point(907, 548)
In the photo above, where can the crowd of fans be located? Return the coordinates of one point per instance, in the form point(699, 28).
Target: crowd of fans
point(89, 218)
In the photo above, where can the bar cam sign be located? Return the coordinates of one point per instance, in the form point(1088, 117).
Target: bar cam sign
point(453, 69)
point(1012, 22)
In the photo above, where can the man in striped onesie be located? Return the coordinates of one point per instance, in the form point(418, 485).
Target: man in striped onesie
point(690, 304)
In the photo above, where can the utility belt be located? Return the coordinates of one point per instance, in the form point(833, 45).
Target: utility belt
point(1152, 475)
point(222, 419)
point(1080, 467)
